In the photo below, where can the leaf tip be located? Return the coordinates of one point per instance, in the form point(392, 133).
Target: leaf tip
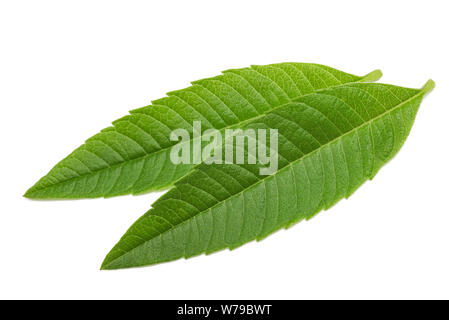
point(104, 265)
point(29, 194)
point(428, 86)
point(108, 263)
point(373, 76)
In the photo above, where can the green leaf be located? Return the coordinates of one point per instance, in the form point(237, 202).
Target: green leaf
point(132, 156)
point(330, 142)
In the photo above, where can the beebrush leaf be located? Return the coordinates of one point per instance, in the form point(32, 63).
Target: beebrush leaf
point(330, 142)
point(132, 156)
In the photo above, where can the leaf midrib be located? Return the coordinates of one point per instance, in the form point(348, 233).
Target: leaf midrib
point(421, 92)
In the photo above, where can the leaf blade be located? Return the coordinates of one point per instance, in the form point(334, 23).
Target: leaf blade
point(131, 156)
point(244, 206)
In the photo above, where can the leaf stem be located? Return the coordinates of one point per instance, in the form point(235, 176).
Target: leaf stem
point(372, 76)
point(428, 86)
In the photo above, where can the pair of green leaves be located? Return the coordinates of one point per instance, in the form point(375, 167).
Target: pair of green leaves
point(335, 132)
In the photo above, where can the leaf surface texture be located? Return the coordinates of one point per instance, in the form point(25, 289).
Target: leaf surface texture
point(132, 156)
point(330, 142)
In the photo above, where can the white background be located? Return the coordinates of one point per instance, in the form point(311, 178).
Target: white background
point(69, 68)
